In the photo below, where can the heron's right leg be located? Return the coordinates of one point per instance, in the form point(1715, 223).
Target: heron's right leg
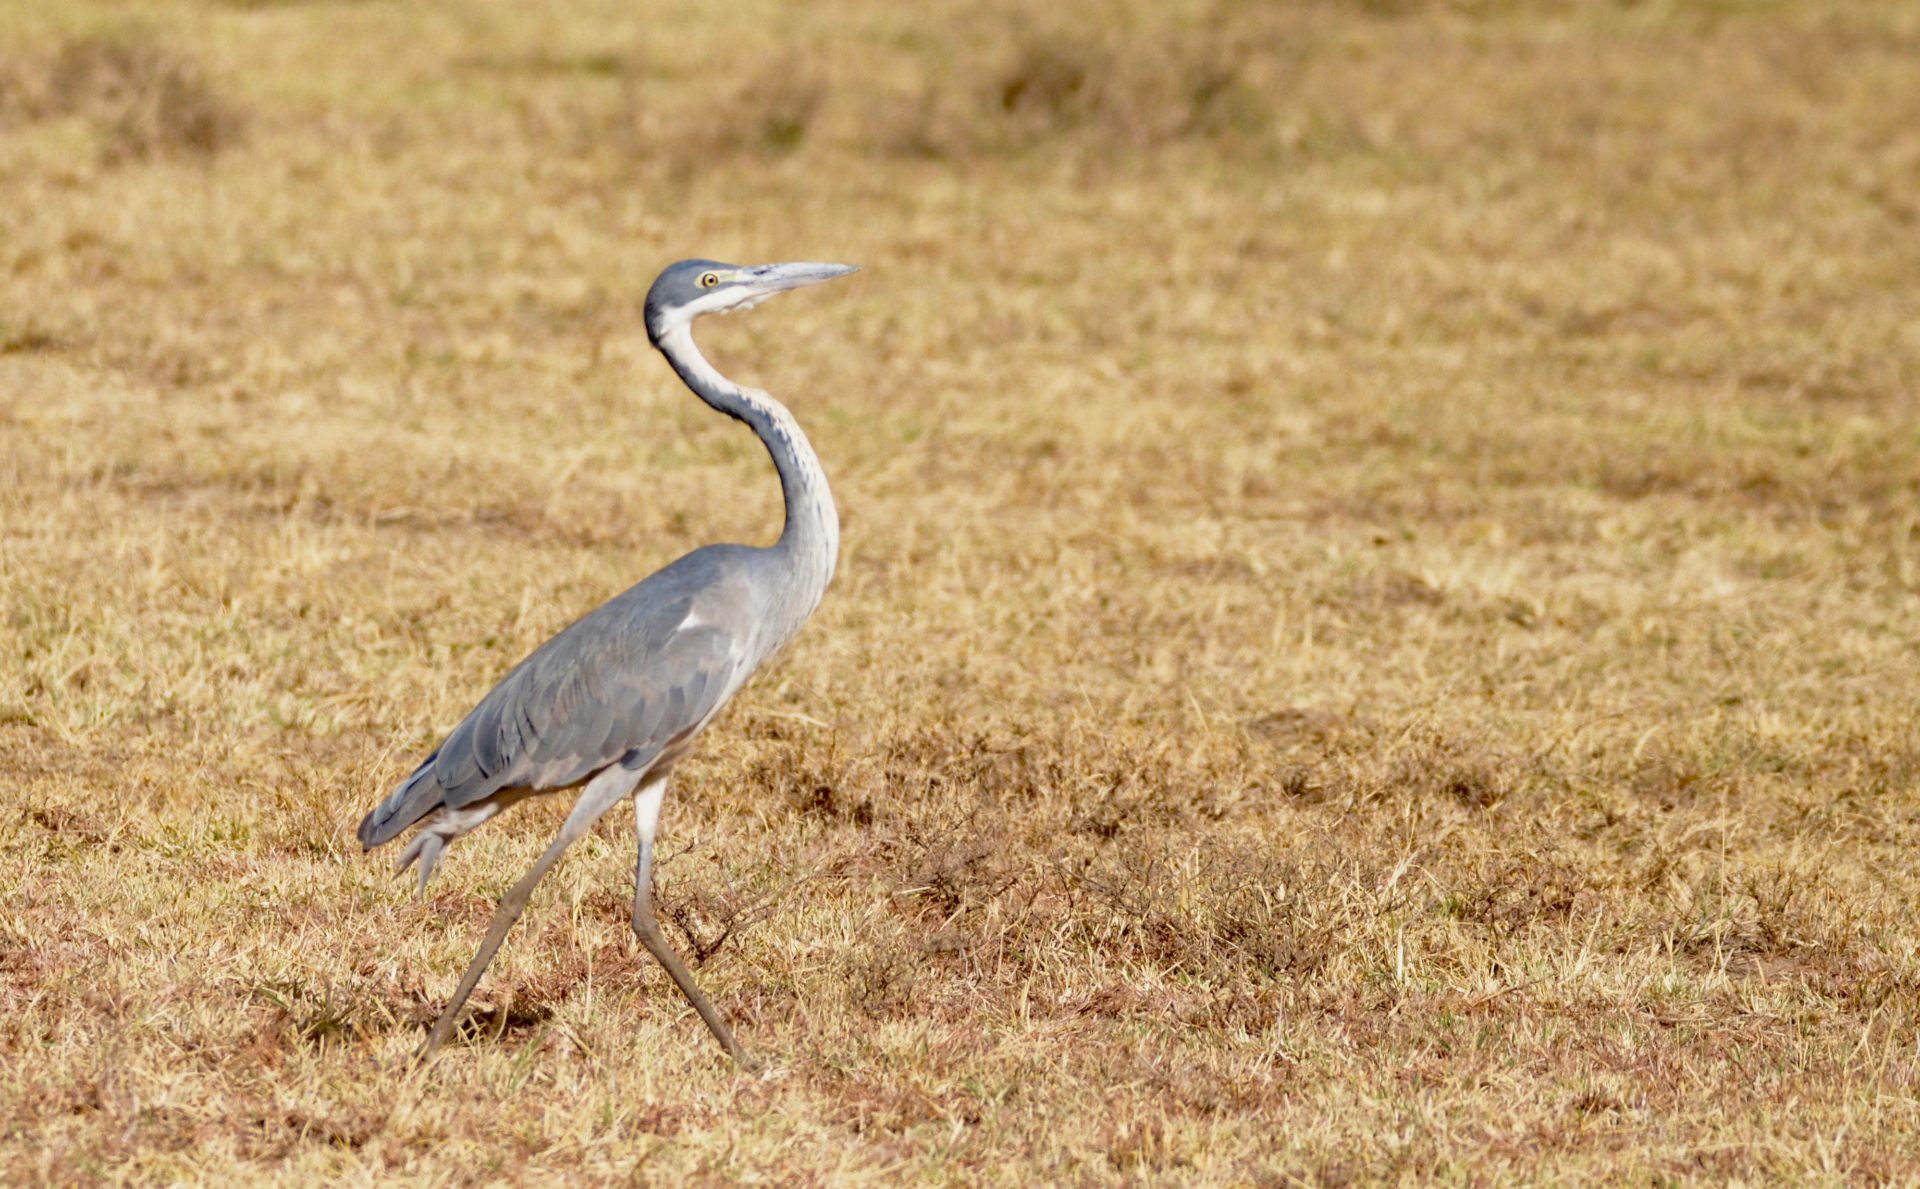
point(600, 795)
point(646, 817)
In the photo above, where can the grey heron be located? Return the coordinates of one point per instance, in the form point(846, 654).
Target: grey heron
point(615, 700)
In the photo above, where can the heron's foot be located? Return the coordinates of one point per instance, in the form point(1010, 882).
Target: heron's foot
point(442, 1028)
point(748, 1063)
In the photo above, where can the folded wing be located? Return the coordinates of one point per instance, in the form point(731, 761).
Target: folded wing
point(635, 679)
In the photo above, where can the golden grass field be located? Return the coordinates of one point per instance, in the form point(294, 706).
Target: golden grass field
point(1376, 636)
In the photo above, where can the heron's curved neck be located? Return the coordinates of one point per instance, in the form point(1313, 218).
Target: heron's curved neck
point(811, 537)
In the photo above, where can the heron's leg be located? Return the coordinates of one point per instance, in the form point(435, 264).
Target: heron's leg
point(646, 816)
point(600, 795)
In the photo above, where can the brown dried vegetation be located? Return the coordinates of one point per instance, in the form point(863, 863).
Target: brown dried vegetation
point(138, 98)
point(1375, 639)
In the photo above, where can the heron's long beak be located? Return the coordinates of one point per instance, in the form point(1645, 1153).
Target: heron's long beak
point(773, 278)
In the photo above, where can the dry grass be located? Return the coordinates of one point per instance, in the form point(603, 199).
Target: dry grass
point(1376, 638)
point(139, 99)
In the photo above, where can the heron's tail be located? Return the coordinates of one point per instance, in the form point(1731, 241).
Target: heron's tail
point(416, 797)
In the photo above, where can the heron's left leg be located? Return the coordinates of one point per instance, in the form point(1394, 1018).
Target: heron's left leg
point(646, 817)
point(600, 795)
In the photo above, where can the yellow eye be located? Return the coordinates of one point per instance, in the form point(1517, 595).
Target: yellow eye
point(709, 279)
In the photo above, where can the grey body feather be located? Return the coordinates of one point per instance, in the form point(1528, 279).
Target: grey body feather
point(629, 682)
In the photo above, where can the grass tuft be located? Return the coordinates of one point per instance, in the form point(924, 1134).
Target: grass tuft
point(141, 99)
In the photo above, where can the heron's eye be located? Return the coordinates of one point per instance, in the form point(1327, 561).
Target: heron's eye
point(709, 279)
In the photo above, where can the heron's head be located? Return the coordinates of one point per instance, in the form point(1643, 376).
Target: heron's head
point(695, 287)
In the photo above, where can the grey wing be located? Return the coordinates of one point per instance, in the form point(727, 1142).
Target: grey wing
point(605, 697)
point(636, 678)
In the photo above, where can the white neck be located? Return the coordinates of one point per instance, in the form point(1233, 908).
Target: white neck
point(810, 539)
